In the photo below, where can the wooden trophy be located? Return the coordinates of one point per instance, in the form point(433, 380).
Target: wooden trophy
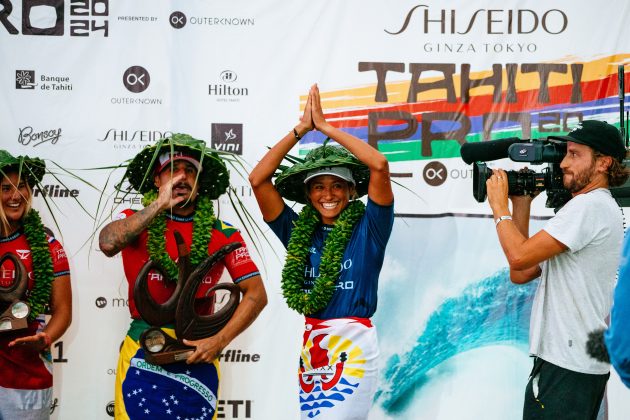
point(15, 313)
point(160, 348)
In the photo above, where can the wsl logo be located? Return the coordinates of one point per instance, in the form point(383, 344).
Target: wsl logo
point(228, 138)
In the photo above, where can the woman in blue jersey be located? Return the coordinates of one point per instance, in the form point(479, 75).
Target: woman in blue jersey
point(335, 250)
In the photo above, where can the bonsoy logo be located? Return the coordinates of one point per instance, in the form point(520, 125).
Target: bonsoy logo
point(177, 20)
point(101, 302)
point(24, 79)
point(434, 173)
point(136, 79)
point(228, 137)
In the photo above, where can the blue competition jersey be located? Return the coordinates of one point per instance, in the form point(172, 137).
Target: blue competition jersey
point(618, 334)
point(356, 293)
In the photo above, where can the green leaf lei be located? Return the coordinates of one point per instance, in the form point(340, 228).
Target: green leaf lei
point(332, 253)
point(203, 221)
point(39, 296)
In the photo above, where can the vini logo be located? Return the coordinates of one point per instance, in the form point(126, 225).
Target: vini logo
point(228, 138)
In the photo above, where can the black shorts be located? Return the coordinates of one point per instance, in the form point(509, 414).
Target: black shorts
point(560, 394)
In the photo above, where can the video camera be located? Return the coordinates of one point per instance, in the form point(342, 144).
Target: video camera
point(525, 181)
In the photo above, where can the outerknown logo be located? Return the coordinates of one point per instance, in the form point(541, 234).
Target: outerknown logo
point(136, 79)
point(435, 173)
point(177, 20)
point(228, 138)
point(25, 79)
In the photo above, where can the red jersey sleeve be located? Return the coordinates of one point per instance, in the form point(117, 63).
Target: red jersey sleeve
point(59, 258)
point(238, 262)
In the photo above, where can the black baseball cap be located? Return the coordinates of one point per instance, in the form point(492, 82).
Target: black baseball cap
point(601, 136)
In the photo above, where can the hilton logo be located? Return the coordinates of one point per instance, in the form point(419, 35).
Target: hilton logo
point(228, 138)
point(226, 91)
point(228, 76)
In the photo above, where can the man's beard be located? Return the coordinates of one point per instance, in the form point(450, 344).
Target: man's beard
point(190, 200)
point(580, 180)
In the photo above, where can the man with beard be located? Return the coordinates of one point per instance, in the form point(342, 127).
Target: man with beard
point(178, 177)
point(576, 255)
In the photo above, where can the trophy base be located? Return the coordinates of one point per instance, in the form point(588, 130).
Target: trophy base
point(12, 324)
point(168, 357)
point(161, 349)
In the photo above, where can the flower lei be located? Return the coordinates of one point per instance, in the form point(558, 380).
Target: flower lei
point(332, 253)
point(203, 221)
point(39, 296)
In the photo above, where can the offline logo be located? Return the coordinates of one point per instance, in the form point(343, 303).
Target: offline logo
point(177, 20)
point(434, 173)
point(136, 79)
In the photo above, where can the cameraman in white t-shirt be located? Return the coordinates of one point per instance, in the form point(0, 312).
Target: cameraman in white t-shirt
point(576, 257)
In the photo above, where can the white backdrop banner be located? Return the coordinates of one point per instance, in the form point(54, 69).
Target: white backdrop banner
point(89, 83)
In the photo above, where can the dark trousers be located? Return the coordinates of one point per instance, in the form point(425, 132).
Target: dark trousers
point(562, 394)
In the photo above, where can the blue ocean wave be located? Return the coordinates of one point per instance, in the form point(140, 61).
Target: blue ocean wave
point(489, 312)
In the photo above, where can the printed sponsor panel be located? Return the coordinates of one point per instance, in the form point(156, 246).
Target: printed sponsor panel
point(91, 82)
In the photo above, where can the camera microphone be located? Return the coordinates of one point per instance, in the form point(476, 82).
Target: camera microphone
point(488, 150)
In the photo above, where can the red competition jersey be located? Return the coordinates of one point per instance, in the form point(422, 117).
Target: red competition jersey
point(238, 263)
point(21, 368)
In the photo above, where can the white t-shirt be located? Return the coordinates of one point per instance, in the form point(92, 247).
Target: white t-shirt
point(575, 292)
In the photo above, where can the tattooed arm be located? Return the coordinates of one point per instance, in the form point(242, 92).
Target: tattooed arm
point(118, 234)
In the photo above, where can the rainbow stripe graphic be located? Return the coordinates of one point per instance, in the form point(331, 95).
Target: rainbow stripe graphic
point(417, 121)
